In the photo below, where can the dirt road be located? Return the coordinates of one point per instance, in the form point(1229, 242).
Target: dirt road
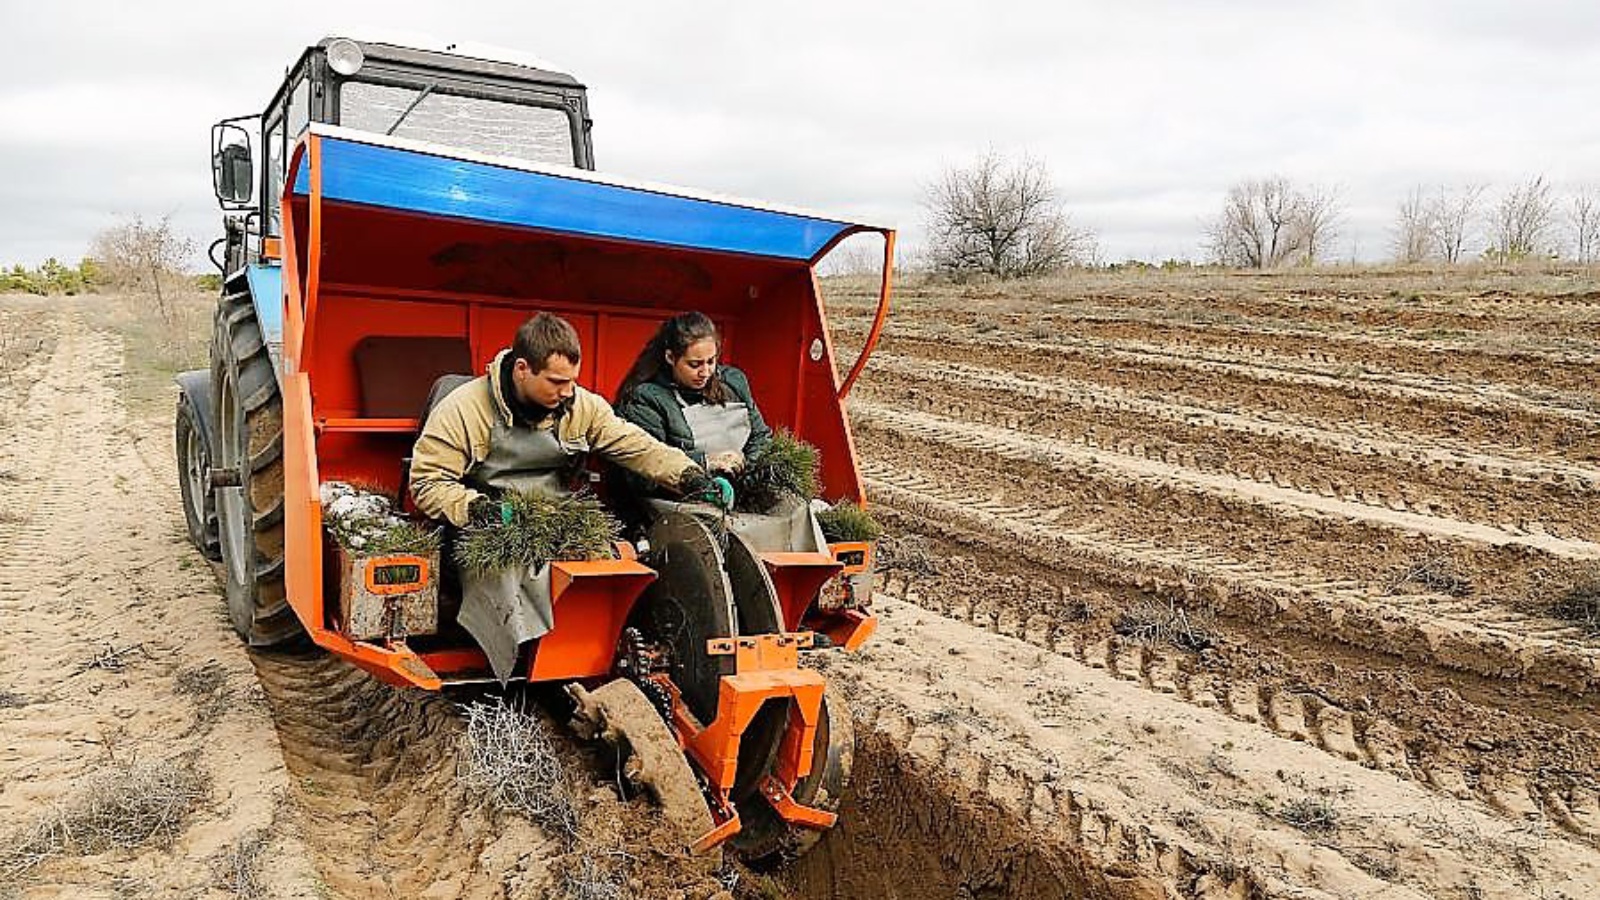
point(115, 659)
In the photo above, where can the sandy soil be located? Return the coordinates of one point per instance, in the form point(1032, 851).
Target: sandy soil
point(114, 651)
point(1195, 587)
point(301, 776)
point(1328, 524)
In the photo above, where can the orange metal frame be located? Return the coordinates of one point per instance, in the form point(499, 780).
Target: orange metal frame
point(351, 273)
point(766, 669)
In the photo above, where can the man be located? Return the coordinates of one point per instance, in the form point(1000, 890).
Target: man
point(526, 425)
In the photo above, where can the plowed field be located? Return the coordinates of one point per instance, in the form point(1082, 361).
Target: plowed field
point(1195, 586)
point(1273, 570)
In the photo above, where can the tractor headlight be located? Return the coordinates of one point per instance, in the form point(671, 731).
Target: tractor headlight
point(345, 56)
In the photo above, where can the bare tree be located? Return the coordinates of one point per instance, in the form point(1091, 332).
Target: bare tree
point(1413, 228)
point(1320, 209)
point(1521, 221)
point(1585, 219)
point(1260, 226)
point(1002, 218)
point(146, 257)
point(1450, 217)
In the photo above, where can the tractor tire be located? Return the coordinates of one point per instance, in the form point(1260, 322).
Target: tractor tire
point(248, 411)
point(193, 445)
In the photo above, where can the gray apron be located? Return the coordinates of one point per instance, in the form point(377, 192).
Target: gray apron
point(506, 609)
point(717, 428)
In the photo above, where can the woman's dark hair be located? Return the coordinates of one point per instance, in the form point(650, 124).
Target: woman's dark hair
point(675, 336)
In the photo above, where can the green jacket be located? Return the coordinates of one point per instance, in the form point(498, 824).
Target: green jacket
point(653, 407)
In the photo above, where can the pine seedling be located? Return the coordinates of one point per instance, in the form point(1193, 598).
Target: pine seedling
point(541, 529)
point(845, 521)
point(787, 466)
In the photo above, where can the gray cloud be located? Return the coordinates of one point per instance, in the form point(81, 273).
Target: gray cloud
point(1145, 113)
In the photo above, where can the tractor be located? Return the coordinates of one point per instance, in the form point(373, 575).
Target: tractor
point(389, 219)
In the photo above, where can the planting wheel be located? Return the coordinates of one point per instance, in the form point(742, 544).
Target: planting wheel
point(651, 760)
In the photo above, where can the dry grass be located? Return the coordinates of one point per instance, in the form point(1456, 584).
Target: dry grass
point(507, 756)
point(1165, 622)
point(597, 876)
point(127, 804)
point(1313, 815)
point(1580, 603)
point(155, 349)
point(1436, 572)
point(207, 687)
point(236, 869)
point(112, 658)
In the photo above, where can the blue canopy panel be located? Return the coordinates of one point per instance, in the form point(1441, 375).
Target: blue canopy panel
point(266, 292)
point(507, 193)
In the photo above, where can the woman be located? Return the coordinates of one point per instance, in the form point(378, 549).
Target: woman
point(678, 393)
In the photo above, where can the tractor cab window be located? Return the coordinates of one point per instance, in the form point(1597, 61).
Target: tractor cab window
point(495, 127)
point(274, 165)
point(299, 109)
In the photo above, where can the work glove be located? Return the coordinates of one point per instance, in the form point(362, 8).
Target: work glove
point(696, 485)
point(488, 511)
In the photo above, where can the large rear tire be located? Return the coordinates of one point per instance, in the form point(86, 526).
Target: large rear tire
point(248, 410)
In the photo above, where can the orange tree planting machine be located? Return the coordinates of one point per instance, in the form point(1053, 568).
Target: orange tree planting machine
point(394, 215)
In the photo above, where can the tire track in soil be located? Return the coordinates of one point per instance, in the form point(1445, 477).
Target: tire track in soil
point(1138, 463)
point(100, 631)
point(1126, 793)
point(1307, 460)
point(1369, 709)
point(1429, 628)
point(1504, 587)
point(1514, 746)
point(1437, 457)
point(1532, 369)
point(1497, 315)
point(367, 802)
point(375, 785)
point(1571, 434)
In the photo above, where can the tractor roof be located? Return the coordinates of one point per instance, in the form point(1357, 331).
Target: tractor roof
point(422, 50)
point(374, 170)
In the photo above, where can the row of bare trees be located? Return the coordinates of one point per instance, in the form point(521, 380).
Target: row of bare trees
point(1527, 221)
point(1271, 222)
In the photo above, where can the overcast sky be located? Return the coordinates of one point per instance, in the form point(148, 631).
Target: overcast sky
point(1144, 113)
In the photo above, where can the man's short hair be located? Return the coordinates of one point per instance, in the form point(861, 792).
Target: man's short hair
point(543, 336)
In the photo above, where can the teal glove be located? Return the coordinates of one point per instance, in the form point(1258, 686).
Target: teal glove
point(697, 486)
point(724, 489)
point(718, 493)
point(488, 511)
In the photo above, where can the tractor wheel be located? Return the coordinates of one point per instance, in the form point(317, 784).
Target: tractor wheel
point(248, 410)
point(194, 463)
